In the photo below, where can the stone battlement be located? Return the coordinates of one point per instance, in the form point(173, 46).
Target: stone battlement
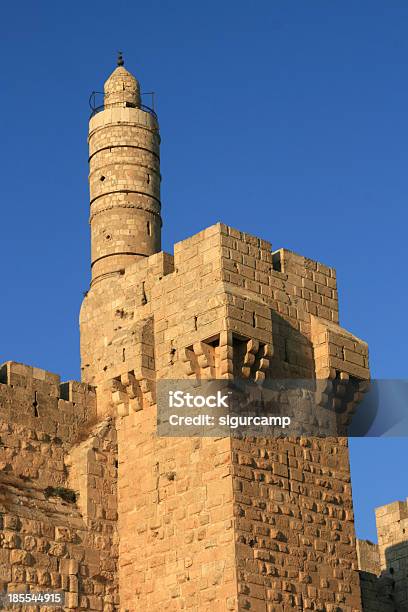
point(56, 532)
point(38, 400)
point(368, 556)
point(384, 566)
point(391, 513)
point(29, 377)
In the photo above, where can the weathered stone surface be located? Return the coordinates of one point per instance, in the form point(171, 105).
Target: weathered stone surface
point(385, 566)
point(45, 538)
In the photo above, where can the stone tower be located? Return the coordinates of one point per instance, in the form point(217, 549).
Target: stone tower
point(211, 524)
point(124, 177)
point(95, 504)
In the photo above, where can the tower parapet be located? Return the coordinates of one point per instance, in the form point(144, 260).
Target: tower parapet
point(124, 178)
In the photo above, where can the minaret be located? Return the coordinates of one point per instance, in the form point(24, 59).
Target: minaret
point(124, 177)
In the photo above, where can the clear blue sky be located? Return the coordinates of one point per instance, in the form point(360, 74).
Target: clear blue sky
point(285, 119)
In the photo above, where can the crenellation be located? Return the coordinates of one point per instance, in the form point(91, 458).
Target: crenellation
point(47, 541)
point(383, 566)
point(368, 556)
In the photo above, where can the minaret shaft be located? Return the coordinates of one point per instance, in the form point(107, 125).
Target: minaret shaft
point(124, 178)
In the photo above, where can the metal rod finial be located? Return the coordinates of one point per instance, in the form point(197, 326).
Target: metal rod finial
point(120, 59)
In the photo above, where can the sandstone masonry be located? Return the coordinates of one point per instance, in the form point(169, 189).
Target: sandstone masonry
point(385, 565)
point(95, 503)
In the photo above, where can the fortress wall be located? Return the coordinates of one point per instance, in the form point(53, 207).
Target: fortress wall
point(175, 499)
point(177, 546)
point(47, 542)
point(384, 566)
point(295, 525)
point(392, 529)
point(368, 555)
point(174, 496)
point(377, 593)
point(52, 417)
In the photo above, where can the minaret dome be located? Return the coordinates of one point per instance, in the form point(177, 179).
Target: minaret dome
point(121, 88)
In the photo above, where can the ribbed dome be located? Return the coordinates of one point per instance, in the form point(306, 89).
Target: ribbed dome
point(121, 89)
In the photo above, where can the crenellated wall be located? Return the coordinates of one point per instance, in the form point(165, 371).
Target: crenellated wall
point(384, 566)
point(47, 540)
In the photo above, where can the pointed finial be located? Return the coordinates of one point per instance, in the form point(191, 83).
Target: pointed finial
point(120, 59)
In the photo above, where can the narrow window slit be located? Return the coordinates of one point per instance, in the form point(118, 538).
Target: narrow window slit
point(35, 405)
point(285, 351)
point(144, 296)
